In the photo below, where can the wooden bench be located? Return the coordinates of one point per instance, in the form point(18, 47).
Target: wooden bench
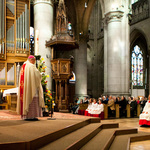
point(84, 107)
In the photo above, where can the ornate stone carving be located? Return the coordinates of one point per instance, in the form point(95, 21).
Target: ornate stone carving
point(61, 39)
point(61, 19)
point(140, 11)
point(114, 16)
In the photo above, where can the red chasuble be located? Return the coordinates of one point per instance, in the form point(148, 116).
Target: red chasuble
point(22, 87)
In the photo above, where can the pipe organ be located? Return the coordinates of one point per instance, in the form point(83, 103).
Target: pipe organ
point(2, 27)
point(14, 39)
point(22, 33)
point(14, 28)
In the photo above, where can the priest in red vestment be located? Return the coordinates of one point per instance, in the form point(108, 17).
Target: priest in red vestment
point(30, 93)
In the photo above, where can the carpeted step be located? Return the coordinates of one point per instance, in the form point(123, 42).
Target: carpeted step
point(105, 138)
point(39, 133)
point(124, 141)
point(78, 138)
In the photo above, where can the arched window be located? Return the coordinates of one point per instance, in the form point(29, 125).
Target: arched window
point(137, 66)
point(69, 26)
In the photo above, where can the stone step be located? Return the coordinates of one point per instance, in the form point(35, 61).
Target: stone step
point(104, 139)
point(38, 141)
point(77, 139)
point(124, 140)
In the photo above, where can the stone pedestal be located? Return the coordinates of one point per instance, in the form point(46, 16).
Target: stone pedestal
point(81, 68)
point(116, 53)
point(43, 25)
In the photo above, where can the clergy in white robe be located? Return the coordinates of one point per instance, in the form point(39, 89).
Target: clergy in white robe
point(94, 107)
point(30, 93)
point(144, 118)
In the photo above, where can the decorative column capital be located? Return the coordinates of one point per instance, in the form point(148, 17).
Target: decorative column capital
point(83, 37)
point(50, 2)
point(114, 16)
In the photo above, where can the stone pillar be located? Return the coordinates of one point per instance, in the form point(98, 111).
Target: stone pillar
point(116, 53)
point(43, 25)
point(81, 67)
point(149, 77)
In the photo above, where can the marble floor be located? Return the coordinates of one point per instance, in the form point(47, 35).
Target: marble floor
point(133, 122)
point(142, 145)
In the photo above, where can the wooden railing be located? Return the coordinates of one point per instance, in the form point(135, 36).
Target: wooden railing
point(84, 106)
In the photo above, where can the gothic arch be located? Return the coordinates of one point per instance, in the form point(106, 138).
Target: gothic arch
point(137, 37)
point(102, 7)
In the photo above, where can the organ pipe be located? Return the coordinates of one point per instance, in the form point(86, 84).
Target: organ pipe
point(2, 26)
point(22, 30)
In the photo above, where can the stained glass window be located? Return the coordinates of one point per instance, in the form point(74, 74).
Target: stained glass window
point(137, 66)
point(133, 1)
point(69, 26)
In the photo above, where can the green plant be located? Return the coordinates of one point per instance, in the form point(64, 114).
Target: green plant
point(47, 93)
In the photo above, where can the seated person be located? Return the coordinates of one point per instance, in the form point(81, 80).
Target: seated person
point(104, 100)
point(111, 107)
point(86, 101)
point(144, 118)
point(100, 107)
point(123, 104)
point(133, 106)
point(76, 105)
point(93, 107)
point(79, 102)
point(89, 107)
point(142, 103)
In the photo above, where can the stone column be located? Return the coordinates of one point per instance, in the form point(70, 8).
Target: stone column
point(81, 67)
point(116, 55)
point(43, 25)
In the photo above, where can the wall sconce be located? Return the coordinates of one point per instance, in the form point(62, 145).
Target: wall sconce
point(85, 4)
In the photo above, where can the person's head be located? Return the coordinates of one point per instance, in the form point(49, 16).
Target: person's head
point(81, 101)
point(94, 100)
point(103, 97)
point(110, 97)
point(31, 59)
point(129, 98)
point(149, 97)
point(91, 100)
point(132, 98)
point(99, 101)
point(114, 98)
point(136, 98)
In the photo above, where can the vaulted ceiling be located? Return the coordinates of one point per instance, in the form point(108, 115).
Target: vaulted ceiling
point(78, 14)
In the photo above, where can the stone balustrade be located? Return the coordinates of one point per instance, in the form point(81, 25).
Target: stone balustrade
point(140, 11)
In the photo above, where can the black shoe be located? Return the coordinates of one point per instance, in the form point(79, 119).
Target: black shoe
point(33, 119)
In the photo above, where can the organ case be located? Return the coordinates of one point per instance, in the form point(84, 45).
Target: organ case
point(14, 28)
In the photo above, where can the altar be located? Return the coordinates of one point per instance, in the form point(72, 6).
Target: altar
point(11, 99)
